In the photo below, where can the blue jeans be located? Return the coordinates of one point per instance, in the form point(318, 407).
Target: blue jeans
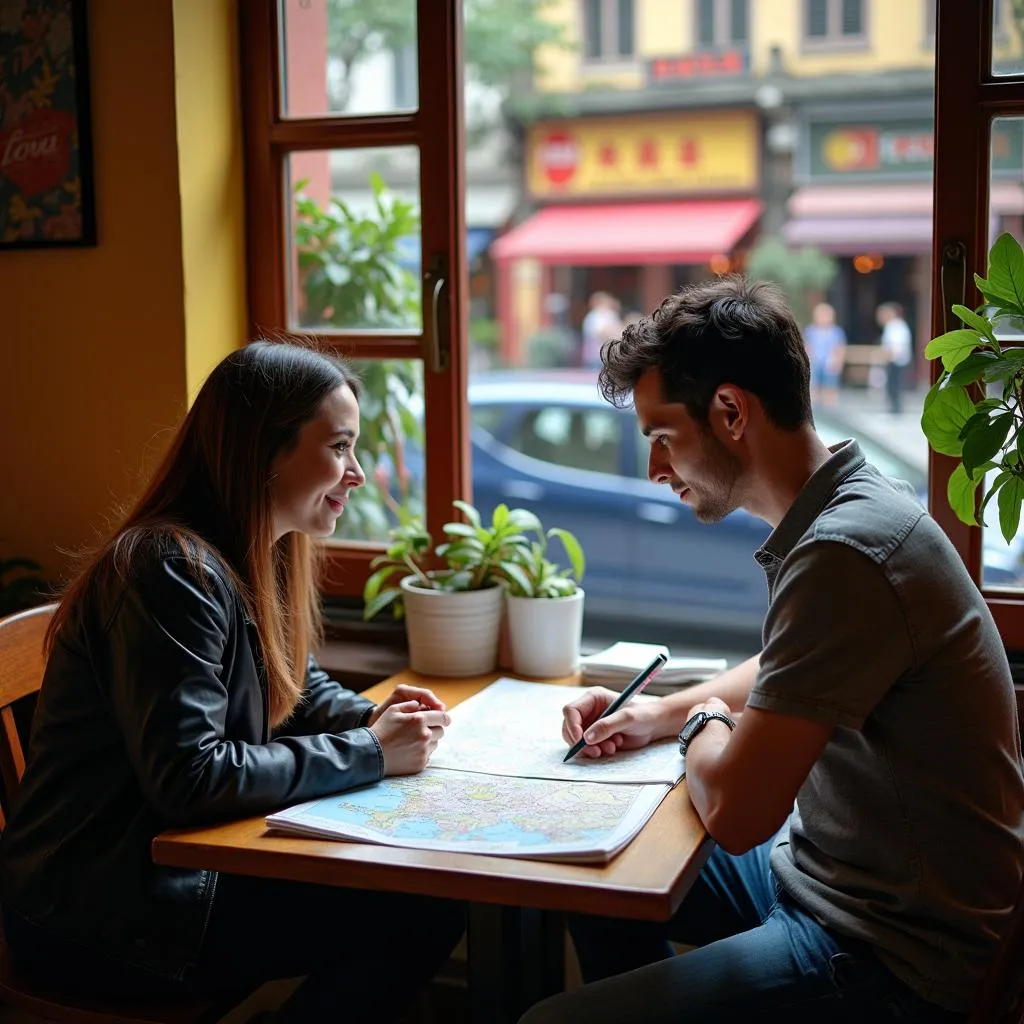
point(760, 958)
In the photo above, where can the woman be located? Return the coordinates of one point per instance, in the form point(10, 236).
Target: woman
point(180, 689)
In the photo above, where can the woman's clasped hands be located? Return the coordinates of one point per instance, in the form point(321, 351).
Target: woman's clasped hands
point(408, 724)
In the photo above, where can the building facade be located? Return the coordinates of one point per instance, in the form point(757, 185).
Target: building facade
point(675, 133)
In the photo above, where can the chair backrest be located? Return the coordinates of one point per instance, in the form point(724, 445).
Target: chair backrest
point(21, 672)
point(1002, 995)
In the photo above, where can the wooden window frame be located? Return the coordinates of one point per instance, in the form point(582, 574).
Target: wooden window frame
point(967, 97)
point(834, 40)
point(435, 128)
point(721, 19)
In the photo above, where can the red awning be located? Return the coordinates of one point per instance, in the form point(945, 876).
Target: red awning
point(681, 232)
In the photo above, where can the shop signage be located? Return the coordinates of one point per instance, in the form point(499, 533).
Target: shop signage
point(657, 154)
point(706, 64)
point(896, 149)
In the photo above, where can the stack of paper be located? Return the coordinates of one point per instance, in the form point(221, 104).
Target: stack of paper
point(615, 666)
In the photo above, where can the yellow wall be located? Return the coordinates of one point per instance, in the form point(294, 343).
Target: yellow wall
point(94, 363)
point(667, 28)
point(210, 180)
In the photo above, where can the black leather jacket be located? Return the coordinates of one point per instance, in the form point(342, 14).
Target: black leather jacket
point(154, 715)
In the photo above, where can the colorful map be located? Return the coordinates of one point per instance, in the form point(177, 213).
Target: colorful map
point(515, 728)
point(473, 813)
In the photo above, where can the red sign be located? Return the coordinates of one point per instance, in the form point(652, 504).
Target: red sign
point(710, 64)
point(36, 153)
point(559, 157)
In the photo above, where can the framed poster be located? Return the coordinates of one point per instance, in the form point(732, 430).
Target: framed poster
point(46, 189)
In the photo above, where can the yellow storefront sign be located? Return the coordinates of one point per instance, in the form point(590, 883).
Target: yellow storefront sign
point(627, 156)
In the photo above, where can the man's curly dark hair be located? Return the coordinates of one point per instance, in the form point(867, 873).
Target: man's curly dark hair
point(729, 330)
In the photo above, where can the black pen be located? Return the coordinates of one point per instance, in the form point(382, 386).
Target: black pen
point(638, 683)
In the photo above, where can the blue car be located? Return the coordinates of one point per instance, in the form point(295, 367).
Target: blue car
point(547, 441)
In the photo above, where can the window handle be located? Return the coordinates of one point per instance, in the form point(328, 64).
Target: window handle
point(437, 344)
point(953, 280)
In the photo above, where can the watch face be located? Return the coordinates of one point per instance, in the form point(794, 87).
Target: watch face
point(692, 726)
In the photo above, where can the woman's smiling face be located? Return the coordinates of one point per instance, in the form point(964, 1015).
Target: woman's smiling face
point(312, 480)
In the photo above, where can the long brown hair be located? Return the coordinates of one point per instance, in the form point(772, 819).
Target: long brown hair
point(211, 496)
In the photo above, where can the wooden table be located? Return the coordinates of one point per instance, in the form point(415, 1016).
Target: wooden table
point(515, 933)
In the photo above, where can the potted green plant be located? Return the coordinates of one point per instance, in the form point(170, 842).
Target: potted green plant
point(973, 411)
point(453, 613)
point(544, 605)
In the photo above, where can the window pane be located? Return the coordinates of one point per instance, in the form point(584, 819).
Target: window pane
point(817, 18)
point(355, 230)
point(706, 23)
point(1008, 39)
point(391, 449)
point(623, 198)
point(738, 27)
point(1003, 562)
point(593, 29)
point(341, 56)
point(625, 28)
point(853, 18)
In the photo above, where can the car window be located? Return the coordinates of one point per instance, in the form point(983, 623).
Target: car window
point(487, 417)
point(576, 438)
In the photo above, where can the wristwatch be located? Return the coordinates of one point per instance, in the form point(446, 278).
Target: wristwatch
point(695, 723)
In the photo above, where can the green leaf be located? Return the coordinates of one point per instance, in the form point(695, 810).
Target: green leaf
point(999, 369)
point(961, 491)
point(469, 512)
point(974, 321)
point(1010, 497)
point(953, 346)
point(373, 584)
point(992, 491)
point(459, 530)
point(981, 444)
point(522, 586)
point(380, 602)
point(1005, 283)
point(970, 368)
point(572, 549)
point(945, 413)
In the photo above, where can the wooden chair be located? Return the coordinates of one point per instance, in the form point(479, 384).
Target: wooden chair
point(21, 674)
point(1002, 994)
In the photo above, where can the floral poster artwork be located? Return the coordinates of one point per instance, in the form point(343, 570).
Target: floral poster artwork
point(45, 147)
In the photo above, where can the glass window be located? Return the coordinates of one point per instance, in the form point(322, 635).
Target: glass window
point(706, 22)
point(391, 449)
point(625, 33)
point(339, 58)
point(593, 28)
point(817, 18)
point(1003, 562)
point(1007, 39)
point(853, 18)
point(576, 438)
point(355, 239)
point(832, 22)
point(738, 10)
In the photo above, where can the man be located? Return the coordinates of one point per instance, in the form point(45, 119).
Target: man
point(897, 344)
point(868, 803)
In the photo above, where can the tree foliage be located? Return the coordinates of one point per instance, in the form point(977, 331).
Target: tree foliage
point(799, 273)
point(502, 37)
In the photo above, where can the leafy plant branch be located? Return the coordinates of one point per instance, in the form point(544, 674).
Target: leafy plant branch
point(960, 417)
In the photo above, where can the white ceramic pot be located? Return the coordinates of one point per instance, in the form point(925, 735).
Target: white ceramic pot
point(452, 633)
point(545, 634)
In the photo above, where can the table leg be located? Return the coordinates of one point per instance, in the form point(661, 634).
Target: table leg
point(516, 958)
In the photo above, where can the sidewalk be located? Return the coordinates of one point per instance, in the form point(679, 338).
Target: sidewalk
point(867, 413)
